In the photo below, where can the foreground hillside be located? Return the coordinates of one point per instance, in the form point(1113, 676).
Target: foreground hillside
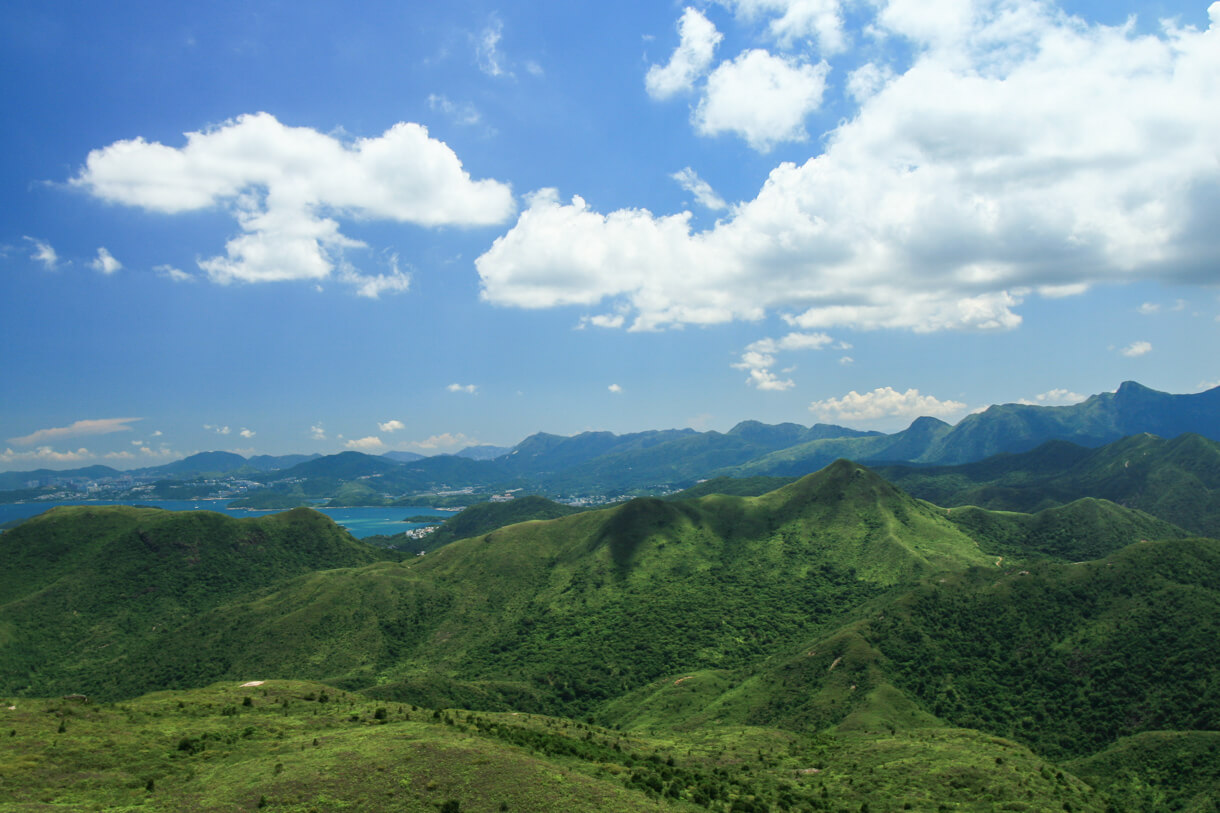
point(828, 645)
point(294, 746)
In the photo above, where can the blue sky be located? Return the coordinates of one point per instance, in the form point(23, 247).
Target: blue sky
point(298, 227)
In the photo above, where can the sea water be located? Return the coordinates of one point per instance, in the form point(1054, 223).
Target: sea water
point(360, 522)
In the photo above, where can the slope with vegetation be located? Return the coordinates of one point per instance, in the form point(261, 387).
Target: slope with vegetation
point(831, 644)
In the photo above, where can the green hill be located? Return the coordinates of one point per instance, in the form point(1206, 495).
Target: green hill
point(1176, 479)
point(834, 644)
point(83, 586)
point(488, 516)
point(293, 745)
point(1085, 529)
point(565, 614)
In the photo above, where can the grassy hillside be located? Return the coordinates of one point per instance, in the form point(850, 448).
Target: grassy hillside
point(82, 586)
point(1085, 529)
point(486, 517)
point(566, 614)
point(834, 644)
point(1066, 658)
point(1176, 480)
point(290, 745)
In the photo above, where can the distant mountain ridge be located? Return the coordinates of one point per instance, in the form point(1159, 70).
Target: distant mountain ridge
point(660, 461)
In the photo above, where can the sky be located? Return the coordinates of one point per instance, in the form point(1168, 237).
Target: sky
point(308, 227)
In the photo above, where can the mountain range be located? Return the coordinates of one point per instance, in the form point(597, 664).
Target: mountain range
point(658, 461)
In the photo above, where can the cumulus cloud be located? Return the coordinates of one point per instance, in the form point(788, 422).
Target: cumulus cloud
point(286, 187)
point(45, 454)
point(1020, 151)
point(44, 253)
point(761, 97)
point(391, 426)
point(615, 388)
point(469, 389)
point(105, 262)
point(759, 357)
point(317, 432)
point(247, 433)
point(697, 41)
point(792, 21)
point(1136, 349)
point(884, 402)
point(218, 429)
point(370, 444)
point(444, 441)
point(705, 196)
point(1055, 397)
point(100, 426)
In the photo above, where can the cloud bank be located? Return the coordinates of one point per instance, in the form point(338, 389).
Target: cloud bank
point(884, 402)
point(287, 188)
point(1021, 152)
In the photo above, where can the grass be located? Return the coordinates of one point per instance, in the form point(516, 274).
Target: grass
point(298, 746)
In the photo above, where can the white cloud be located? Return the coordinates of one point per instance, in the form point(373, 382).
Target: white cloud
point(697, 41)
point(606, 320)
point(469, 389)
point(44, 253)
point(705, 196)
point(45, 454)
point(316, 432)
point(105, 262)
point(759, 357)
point(1041, 154)
point(373, 285)
point(791, 20)
point(391, 426)
point(172, 273)
point(1207, 385)
point(1062, 291)
point(1136, 349)
point(286, 186)
point(370, 444)
point(100, 426)
point(1149, 308)
point(883, 402)
point(845, 360)
point(220, 430)
point(866, 80)
point(615, 388)
point(1055, 397)
point(443, 442)
point(461, 113)
point(761, 97)
point(247, 433)
point(487, 49)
